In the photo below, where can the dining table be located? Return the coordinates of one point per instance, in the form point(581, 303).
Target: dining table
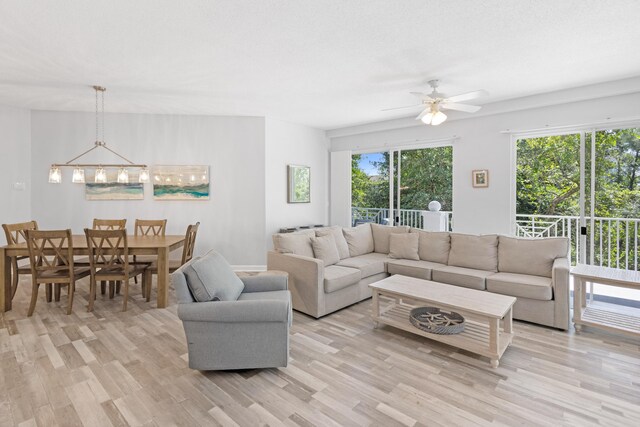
point(160, 246)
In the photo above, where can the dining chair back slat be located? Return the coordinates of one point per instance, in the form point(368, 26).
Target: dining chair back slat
point(189, 242)
point(109, 224)
point(150, 227)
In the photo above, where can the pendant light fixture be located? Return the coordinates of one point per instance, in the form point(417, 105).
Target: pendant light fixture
point(100, 176)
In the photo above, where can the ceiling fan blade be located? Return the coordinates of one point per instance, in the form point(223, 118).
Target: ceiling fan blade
point(460, 107)
point(400, 108)
point(467, 96)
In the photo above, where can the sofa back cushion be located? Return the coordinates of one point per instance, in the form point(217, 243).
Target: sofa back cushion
point(210, 278)
point(324, 248)
point(404, 246)
point(433, 246)
point(298, 243)
point(359, 239)
point(530, 256)
point(381, 235)
point(478, 252)
point(338, 237)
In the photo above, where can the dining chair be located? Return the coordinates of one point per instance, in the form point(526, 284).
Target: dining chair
point(109, 224)
point(148, 227)
point(51, 257)
point(16, 233)
point(109, 262)
point(187, 254)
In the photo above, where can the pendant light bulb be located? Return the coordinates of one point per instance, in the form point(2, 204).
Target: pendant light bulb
point(78, 176)
point(123, 176)
point(438, 118)
point(55, 176)
point(101, 176)
point(144, 175)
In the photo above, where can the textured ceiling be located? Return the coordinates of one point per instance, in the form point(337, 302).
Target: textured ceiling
point(323, 63)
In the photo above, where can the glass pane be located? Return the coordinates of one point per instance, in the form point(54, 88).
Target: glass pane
point(370, 188)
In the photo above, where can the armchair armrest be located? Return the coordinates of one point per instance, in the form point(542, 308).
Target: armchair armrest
point(266, 282)
point(235, 311)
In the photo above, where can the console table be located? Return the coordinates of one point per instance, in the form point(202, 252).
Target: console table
point(601, 317)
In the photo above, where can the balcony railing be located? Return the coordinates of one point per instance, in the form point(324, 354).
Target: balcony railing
point(615, 240)
point(410, 217)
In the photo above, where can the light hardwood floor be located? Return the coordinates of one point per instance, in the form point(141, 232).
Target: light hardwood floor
point(114, 368)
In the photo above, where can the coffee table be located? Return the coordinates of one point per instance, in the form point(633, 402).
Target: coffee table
point(483, 312)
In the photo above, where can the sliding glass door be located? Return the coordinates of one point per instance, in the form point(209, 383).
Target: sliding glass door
point(395, 187)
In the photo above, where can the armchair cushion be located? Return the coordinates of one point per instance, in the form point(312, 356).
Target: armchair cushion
point(211, 278)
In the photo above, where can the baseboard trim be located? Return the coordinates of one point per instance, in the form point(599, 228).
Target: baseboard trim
point(249, 267)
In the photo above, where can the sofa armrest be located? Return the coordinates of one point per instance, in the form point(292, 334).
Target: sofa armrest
point(266, 282)
point(560, 283)
point(247, 311)
point(306, 280)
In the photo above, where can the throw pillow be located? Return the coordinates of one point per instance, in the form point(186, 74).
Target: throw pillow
point(381, 235)
point(433, 246)
point(324, 248)
point(211, 278)
point(404, 246)
point(341, 243)
point(298, 243)
point(359, 239)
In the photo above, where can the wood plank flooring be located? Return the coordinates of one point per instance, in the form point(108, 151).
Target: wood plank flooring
point(114, 368)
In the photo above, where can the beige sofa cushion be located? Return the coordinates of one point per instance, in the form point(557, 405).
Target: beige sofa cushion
point(298, 243)
point(408, 267)
point(404, 246)
point(530, 256)
point(459, 276)
point(433, 246)
point(359, 239)
point(368, 264)
point(476, 252)
point(521, 286)
point(381, 235)
point(336, 278)
point(324, 248)
point(338, 237)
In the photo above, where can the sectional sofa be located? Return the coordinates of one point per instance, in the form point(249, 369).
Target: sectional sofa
point(330, 268)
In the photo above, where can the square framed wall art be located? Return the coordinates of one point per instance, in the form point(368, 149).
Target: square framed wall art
point(480, 178)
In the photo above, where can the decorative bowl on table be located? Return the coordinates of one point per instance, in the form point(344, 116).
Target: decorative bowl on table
point(436, 321)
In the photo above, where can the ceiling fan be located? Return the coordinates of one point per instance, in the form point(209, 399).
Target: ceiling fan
point(433, 102)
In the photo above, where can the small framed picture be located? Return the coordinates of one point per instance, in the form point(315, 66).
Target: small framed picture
point(480, 178)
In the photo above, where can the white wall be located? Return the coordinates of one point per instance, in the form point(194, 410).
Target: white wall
point(15, 165)
point(288, 143)
point(481, 144)
point(232, 221)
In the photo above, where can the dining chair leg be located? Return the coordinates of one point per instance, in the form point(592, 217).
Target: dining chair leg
point(71, 291)
point(56, 292)
point(34, 298)
point(126, 295)
point(118, 284)
point(48, 292)
point(14, 277)
point(112, 288)
point(92, 293)
point(103, 287)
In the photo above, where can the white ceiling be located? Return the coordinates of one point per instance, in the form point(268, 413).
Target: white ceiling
point(323, 63)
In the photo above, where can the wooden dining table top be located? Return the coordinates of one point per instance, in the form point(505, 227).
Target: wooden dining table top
point(79, 241)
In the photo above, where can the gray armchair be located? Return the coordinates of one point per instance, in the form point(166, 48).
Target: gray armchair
point(251, 332)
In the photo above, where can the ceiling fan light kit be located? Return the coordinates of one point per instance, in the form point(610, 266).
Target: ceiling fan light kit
point(100, 176)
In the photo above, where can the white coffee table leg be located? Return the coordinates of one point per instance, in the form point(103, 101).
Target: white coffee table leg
point(494, 340)
point(577, 303)
point(375, 308)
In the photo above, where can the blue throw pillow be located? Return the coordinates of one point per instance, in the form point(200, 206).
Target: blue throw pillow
point(211, 278)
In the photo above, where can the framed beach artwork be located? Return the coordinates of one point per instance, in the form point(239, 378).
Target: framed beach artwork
point(299, 186)
point(480, 178)
point(177, 182)
point(114, 191)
